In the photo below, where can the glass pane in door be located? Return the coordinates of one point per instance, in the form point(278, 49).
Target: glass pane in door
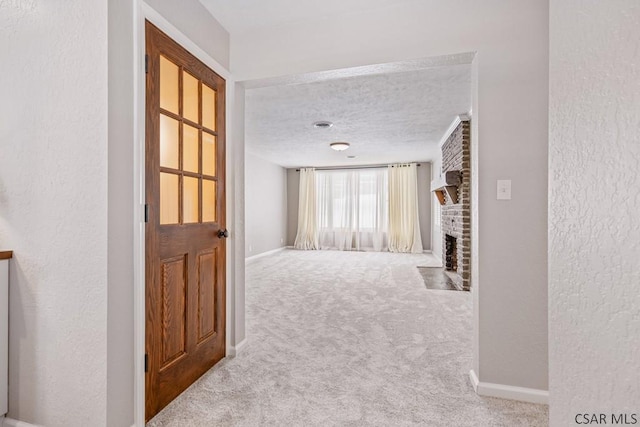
point(190, 200)
point(190, 148)
point(169, 198)
point(190, 102)
point(169, 85)
point(208, 200)
point(208, 107)
point(169, 148)
point(208, 154)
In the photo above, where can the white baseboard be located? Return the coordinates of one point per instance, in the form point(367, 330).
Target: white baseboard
point(271, 252)
point(510, 392)
point(234, 351)
point(427, 251)
point(10, 422)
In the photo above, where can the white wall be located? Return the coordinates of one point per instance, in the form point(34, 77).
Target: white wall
point(293, 193)
point(594, 249)
point(265, 205)
point(424, 203)
point(510, 97)
point(53, 207)
point(120, 368)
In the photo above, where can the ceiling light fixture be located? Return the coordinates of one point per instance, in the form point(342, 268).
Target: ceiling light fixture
point(339, 146)
point(323, 124)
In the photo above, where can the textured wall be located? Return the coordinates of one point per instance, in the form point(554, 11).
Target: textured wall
point(71, 286)
point(265, 204)
point(594, 248)
point(509, 130)
point(53, 207)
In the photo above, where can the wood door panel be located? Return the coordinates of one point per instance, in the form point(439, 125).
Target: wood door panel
point(206, 296)
point(177, 239)
point(185, 258)
point(174, 309)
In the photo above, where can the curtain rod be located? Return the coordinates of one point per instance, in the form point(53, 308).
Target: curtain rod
point(335, 168)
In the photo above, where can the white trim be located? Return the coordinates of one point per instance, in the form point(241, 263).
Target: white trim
point(234, 351)
point(143, 12)
point(510, 392)
point(252, 258)
point(427, 251)
point(454, 124)
point(10, 422)
point(447, 133)
point(474, 380)
point(230, 274)
point(364, 70)
point(138, 220)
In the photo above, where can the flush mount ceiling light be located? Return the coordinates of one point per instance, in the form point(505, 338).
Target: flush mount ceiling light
point(339, 146)
point(323, 124)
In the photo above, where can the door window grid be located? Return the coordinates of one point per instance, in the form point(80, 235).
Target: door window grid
point(190, 103)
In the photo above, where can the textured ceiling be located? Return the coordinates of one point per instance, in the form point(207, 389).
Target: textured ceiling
point(391, 117)
point(239, 16)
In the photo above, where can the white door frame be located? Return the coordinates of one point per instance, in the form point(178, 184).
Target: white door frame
point(234, 313)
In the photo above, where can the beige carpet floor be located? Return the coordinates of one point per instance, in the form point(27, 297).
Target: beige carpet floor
point(347, 339)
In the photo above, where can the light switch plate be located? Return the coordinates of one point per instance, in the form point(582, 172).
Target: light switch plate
point(504, 189)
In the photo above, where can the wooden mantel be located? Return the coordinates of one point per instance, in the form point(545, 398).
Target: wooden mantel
point(448, 183)
point(6, 254)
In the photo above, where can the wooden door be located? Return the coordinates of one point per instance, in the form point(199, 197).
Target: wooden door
point(185, 196)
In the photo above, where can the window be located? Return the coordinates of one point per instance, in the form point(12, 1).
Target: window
point(352, 207)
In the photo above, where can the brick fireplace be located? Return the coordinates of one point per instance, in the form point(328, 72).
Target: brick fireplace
point(456, 214)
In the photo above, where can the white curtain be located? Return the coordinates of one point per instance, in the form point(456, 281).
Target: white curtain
point(404, 225)
point(307, 235)
point(352, 209)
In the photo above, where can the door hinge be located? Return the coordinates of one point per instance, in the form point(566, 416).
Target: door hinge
point(146, 213)
point(146, 362)
point(146, 64)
